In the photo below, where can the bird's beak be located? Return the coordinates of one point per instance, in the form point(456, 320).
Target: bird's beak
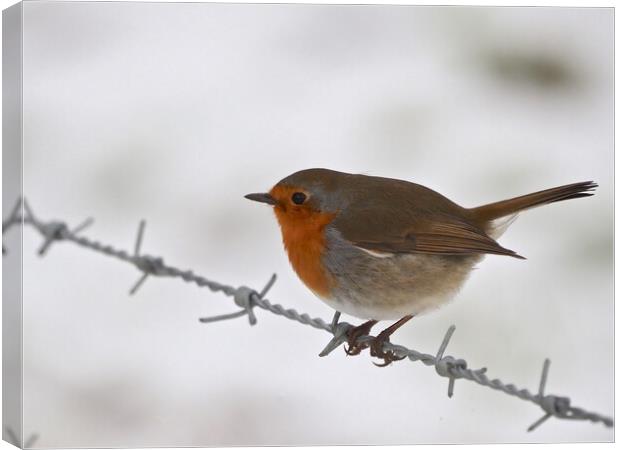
point(263, 198)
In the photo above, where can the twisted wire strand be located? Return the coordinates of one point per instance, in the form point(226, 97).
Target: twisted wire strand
point(247, 298)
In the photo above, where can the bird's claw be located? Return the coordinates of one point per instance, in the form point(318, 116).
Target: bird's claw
point(376, 344)
point(354, 346)
point(376, 350)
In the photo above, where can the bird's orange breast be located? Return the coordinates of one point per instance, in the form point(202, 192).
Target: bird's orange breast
point(303, 233)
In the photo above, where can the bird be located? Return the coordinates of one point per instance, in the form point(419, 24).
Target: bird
point(387, 249)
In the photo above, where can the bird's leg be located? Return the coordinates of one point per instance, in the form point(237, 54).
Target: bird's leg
point(376, 346)
point(354, 334)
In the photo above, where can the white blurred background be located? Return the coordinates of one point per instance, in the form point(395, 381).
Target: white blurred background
point(172, 112)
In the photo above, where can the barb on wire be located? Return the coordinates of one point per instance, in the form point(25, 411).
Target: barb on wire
point(148, 265)
point(339, 330)
point(245, 298)
point(51, 231)
point(248, 299)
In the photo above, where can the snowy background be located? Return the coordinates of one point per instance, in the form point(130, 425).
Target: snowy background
point(172, 112)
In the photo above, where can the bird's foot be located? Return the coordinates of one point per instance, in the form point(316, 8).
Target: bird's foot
point(376, 346)
point(354, 346)
point(376, 350)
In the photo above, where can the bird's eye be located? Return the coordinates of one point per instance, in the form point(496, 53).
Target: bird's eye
point(298, 198)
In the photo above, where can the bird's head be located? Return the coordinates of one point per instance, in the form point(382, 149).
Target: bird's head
point(305, 196)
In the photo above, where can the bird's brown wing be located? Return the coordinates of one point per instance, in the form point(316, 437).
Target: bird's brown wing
point(433, 232)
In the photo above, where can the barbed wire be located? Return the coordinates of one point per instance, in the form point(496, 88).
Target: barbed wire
point(248, 299)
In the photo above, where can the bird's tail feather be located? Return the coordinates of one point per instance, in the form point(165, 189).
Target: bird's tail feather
point(512, 206)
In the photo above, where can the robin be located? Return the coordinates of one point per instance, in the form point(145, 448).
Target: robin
point(384, 249)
